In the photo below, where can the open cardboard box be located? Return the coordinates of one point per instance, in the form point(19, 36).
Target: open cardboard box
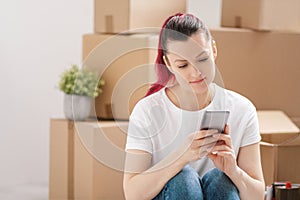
point(280, 147)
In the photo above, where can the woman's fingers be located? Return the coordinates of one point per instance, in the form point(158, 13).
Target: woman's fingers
point(225, 154)
point(226, 130)
point(224, 137)
point(203, 133)
point(204, 142)
point(220, 148)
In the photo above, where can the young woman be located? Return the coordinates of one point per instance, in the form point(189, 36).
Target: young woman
point(168, 156)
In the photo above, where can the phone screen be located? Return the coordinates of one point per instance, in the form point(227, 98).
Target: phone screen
point(215, 120)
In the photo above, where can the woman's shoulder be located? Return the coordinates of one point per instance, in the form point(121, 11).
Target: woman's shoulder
point(236, 99)
point(156, 97)
point(149, 101)
point(237, 96)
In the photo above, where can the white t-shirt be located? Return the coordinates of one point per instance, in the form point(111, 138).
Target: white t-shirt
point(157, 126)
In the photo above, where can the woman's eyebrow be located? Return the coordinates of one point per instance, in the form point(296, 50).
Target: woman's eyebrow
point(203, 52)
point(183, 60)
point(179, 60)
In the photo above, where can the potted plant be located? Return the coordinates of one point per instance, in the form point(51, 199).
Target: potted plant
point(80, 87)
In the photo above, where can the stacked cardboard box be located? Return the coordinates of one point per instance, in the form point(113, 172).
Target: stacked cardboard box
point(99, 160)
point(86, 160)
point(266, 62)
point(261, 14)
point(262, 63)
point(296, 120)
point(114, 16)
point(61, 177)
point(123, 50)
point(126, 63)
point(263, 66)
point(280, 147)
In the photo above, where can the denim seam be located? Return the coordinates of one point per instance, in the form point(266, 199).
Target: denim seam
point(165, 191)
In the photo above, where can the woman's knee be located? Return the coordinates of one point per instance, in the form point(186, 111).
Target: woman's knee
point(185, 185)
point(216, 180)
point(186, 177)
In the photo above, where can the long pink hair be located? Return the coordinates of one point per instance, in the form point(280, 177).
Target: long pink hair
point(186, 24)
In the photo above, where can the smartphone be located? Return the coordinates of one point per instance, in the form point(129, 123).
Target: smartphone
point(215, 120)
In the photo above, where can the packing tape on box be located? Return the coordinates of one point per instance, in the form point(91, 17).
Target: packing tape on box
point(238, 21)
point(109, 23)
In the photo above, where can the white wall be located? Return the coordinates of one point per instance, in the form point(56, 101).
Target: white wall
point(38, 40)
point(207, 10)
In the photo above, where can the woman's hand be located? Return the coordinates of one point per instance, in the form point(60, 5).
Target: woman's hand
point(222, 154)
point(197, 145)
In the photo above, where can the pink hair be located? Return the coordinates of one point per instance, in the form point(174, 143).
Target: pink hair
point(162, 72)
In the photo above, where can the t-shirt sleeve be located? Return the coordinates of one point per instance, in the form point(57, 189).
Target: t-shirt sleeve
point(139, 131)
point(251, 134)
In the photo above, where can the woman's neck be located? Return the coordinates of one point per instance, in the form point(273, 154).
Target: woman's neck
point(189, 100)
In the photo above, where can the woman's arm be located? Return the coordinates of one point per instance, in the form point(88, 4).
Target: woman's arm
point(141, 182)
point(245, 171)
point(248, 176)
point(148, 183)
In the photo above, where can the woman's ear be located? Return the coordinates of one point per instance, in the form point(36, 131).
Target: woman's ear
point(215, 50)
point(166, 60)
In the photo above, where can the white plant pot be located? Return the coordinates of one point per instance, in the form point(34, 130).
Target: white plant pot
point(77, 107)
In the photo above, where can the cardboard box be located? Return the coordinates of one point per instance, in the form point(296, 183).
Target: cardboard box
point(263, 66)
point(114, 16)
point(280, 147)
point(296, 120)
point(126, 63)
point(261, 14)
point(61, 159)
point(99, 160)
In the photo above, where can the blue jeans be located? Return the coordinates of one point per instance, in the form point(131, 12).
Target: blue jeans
point(187, 184)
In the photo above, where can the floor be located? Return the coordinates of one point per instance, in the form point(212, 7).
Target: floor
point(25, 192)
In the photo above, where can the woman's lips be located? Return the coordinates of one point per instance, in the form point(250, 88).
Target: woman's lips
point(198, 81)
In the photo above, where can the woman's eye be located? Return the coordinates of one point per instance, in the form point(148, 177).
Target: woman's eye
point(203, 60)
point(182, 66)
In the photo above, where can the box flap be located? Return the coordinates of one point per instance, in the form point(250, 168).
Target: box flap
point(295, 141)
point(267, 144)
point(275, 122)
point(278, 138)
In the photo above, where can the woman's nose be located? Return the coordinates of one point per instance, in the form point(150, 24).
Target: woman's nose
point(195, 72)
